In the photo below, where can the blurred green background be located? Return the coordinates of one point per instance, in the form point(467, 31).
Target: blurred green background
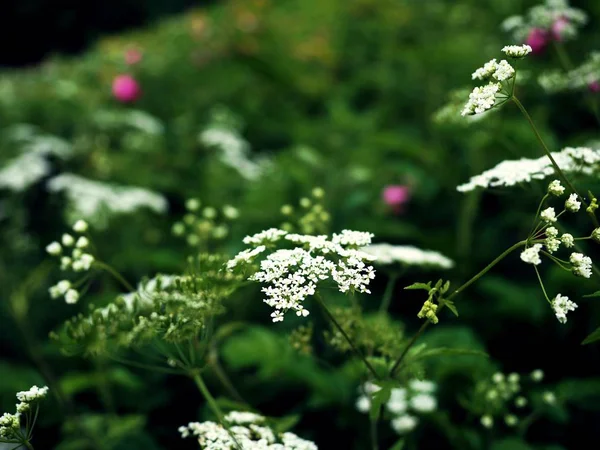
point(340, 94)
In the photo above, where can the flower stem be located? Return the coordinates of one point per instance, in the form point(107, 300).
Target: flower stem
point(28, 445)
point(389, 291)
point(473, 279)
point(557, 169)
point(115, 274)
point(341, 330)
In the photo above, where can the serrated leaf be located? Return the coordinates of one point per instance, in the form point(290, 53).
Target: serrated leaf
point(595, 336)
point(450, 306)
point(423, 286)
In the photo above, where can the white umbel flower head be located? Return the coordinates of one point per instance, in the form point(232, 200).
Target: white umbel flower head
point(562, 305)
point(581, 265)
point(71, 296)
point(408, 255)
point(517, 51)
point(485, 72)
point(404, 424)
point(80, 226)
point(269, 236)
point(54, 248)
point(67, 240)
point(548, 215)
point(532, 255)
point(568, 240)
point(481, 99)
point(33, 394)
point(571, 204)
point(423, 403)
point(504, 71)
point(555, 188)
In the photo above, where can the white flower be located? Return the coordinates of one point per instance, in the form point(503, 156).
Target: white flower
point(511, 420)
point(67, 240)
point(71, 296)
point(517, 51)
point(245, 256)
point(549, 398)
point(552, 244)
point(243, 417)
point(387, 254)
point(352, 238)
point(512, 172)
point(54, 248)
point(23, 171)
point(265, 237)
point(562, 305)
point(555, 188)
point(230, 212)
point(423, 386)
point(498, 377)
point(397, 404)
point(424, 403)
point(504, 71)
point(481, 99)
point(60, 288)
point(581, 265)
point(80, 226)
point(548, 215)
point(404, 424)
point(81, 261)
point(537, 375)
point(485, 72)
point(572, 204)
point(568, 240)
point(531, 255)
point(82, 242)
point(551, 232)
point(33, 394)
point(192, 204)
point(363, 404)
point(487, 421)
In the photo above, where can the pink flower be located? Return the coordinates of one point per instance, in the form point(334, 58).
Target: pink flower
point(132, 56)
point(126, 89)
point(558, 27)
point(594, 86)
point(396, 196)
point(537, 40)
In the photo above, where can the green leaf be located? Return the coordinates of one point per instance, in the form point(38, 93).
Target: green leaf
point(595, 336)
point(595, 294)
point(451, 306)
point(423, 286)
point(584, 393)
point(447, 351)
point(378, 400)
point(286, 423)
point(399, 445)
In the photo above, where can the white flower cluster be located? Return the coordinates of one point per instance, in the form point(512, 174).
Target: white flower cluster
point(78, 261)
point(544, 17)
point(481, 99)
point(581, 265)
point(582, 160)
point(531, 255)
point(517, 51)
point(404, 403)
point(586, 76)
point(246, 429)
point(293, 275)
point(562, 305)
point(10, 424)
point(407, 255)
point(93, 200)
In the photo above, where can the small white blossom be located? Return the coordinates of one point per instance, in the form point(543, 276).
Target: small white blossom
point(363, 404)
point(230, 212)
point(504, 71)
point(265, 237)
point(517, 51)
point(520, 402)
point(549, 398)
point(511, 420)
point(71, 296)
point(387, 254)
point(513, 378)
point(398, 403)
point(562, 305)
point(352, 238)
point(487, 421)
point(80, 226)
point(54, 248)
point(424, 403)
point(82, 242)
point(568, 240)
point(555, 188)
point(65, 262)
point(67, 240)
point(571, 204)
point(552, 244)
point(404, 424)
point(245, 256)
point(532, 255)
point(485, 72)
point(596, 234)
point(581, 265)
point(481, 99)
point(243, 417)
point(33, 394)
point(551, 232)
point(498, 377)
point(537, 375)
point(423, 386)
point(548, 215)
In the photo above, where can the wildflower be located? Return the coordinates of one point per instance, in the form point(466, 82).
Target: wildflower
point(504, 71)
point(517, 51)
point(485, 72)
point(126, 89)
point(562, 305)
point(549, 398)
point(511, 420)
point(404, 424)
point(548, 215)
point(537, 375)
point(581, 265)
point(531, 255)
point(537, 39)
point(594, 86)
point(487, 421)
point(397, 404)
point(513, 378)
point(67, 240)
point(407, 255)
point(481, 99)
point(555, 188)
point(33, 394)
point(269, 236)
point(352, 238)
point(572, 204)
point(498, 377)
point(559, 27)
point(552, 244)
point(71, 296)
point(363, 404)
point(423, 403)
point(80, 226)
point(82, 242)
point(396, 196)
point(54, 248)
point(423, 386)
point(245, 256)
point(230, 212)
point(551, 232)
point(568, 240)
point(428, 312)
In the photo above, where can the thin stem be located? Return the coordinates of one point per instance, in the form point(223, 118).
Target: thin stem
point(341, 330)
point(115, 274)
point(537, 214)
point(537, 272)
point(374, 438)
point(557, 169)
point(223, 378)
point(476, 277)
point(212, 403)
point(28, 445)
point(389, 291)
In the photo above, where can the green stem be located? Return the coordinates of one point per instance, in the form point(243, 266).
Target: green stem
point(476, 277)
point(341, 330)
point(212, 403)
point(115, 274)
point(215, 365)
point(28, 445)
point(374, 438)
point(557, 169)
point(389, 291)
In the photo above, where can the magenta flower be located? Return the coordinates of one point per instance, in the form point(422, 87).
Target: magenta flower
point(132, 56)
point(558, 28)
point(537, 40)
point(396, 196)
point(126, 89)
point(594, 86)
